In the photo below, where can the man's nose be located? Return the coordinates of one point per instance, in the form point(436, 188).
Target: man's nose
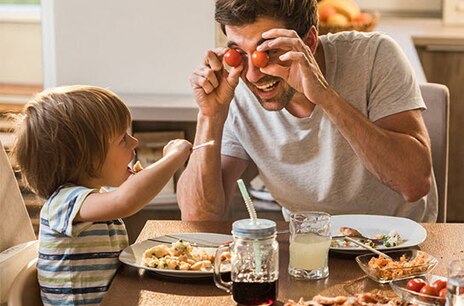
point(253, 73)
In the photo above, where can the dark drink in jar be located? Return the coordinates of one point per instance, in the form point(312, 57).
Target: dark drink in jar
point(262, 293)
point(254, 262)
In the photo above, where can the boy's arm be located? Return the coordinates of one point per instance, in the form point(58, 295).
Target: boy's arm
point(134, 193)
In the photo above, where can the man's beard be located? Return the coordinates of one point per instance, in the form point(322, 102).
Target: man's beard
point(280, 101)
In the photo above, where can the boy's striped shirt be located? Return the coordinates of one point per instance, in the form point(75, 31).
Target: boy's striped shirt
point(76, 261)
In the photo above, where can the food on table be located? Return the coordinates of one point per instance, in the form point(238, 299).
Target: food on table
point(365, 298)
point(348, 231)
point(260, 58)
point(180, 256)
point(442, 293)
point(387, 268)
point(437, 288)
point(425, 294)
point(415, 284)
point(439, 284)
point(391, 239)
point(233, 58)
point(428, 290)
point(137, 167)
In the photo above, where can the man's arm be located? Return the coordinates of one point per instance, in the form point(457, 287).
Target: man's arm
point(396, 148)
point(207, 184)
point(202, 193)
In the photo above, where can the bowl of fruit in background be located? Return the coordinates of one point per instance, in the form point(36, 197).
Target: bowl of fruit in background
point(426, 290)
point(345, 15)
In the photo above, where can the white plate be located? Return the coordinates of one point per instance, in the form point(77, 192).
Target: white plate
point(133, 254)
point(412, 233)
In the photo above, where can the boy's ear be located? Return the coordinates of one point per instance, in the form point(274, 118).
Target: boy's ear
point(310, 39)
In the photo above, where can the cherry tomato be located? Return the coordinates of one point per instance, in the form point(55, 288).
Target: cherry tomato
point(442, 293)
point(439, 284)
point(259, 58)
point(415, 284)
point(233, 58)
point(428, 290)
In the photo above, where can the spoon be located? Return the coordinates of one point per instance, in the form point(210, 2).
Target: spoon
point(353, 233)
point(367, 247)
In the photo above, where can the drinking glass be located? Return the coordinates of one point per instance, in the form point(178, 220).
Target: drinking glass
point(455, 291)
point(309, 245)
point(254, 263)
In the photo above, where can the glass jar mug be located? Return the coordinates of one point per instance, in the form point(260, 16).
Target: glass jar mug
point(254, 263)
point(309, 241)
point(455, 291)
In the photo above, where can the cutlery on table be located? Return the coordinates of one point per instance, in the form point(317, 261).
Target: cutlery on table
point(197, 242)
point(367, 247)
point(192, 243)
point(355, 234)
point(209, 143)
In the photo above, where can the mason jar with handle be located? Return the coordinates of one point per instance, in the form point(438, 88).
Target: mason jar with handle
point(254, 262)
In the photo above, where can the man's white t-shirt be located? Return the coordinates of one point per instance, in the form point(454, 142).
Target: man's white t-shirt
point(305, 162)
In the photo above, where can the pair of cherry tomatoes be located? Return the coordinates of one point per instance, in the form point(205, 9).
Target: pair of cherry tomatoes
point(259, 58)
point(437, 288)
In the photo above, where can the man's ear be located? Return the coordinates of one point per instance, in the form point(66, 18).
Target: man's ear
point(310, 39)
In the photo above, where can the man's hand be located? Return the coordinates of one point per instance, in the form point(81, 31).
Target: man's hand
point(302, 71)
point(213, 86)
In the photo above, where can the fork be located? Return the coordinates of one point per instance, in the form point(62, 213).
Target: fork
point(202, 245)
point(198, 242)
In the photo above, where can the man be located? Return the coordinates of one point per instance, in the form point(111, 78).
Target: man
point(333, 123)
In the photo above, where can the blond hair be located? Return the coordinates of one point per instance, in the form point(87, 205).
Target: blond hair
point(63, 134)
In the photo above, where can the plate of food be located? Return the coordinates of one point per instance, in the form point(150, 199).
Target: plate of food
point(402, 264)
point(379, 232)
point(363, 298)
point(426, 290)
point(189, 255)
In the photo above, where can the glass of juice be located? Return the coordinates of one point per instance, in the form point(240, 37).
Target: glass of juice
point(309, 245)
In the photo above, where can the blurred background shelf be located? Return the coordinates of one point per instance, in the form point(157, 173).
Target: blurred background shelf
point(12, 100)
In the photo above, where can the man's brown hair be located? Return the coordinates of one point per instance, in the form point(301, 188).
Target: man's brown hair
point(298, 15)
point(63, 134)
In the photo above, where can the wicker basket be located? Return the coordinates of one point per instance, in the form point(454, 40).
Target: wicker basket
point(324, 28)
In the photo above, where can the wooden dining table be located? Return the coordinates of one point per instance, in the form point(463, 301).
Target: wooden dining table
point(132, 286)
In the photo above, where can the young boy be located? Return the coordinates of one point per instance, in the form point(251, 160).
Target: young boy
point(71, 142)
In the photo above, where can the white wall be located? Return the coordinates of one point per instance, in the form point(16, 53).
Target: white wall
point(139, 46)
point(398, 6)
point(20, 47)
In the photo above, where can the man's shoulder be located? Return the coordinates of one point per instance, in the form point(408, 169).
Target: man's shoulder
point(354, 38)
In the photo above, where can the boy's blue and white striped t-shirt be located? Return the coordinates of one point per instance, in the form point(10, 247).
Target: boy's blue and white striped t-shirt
point(77, 261)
